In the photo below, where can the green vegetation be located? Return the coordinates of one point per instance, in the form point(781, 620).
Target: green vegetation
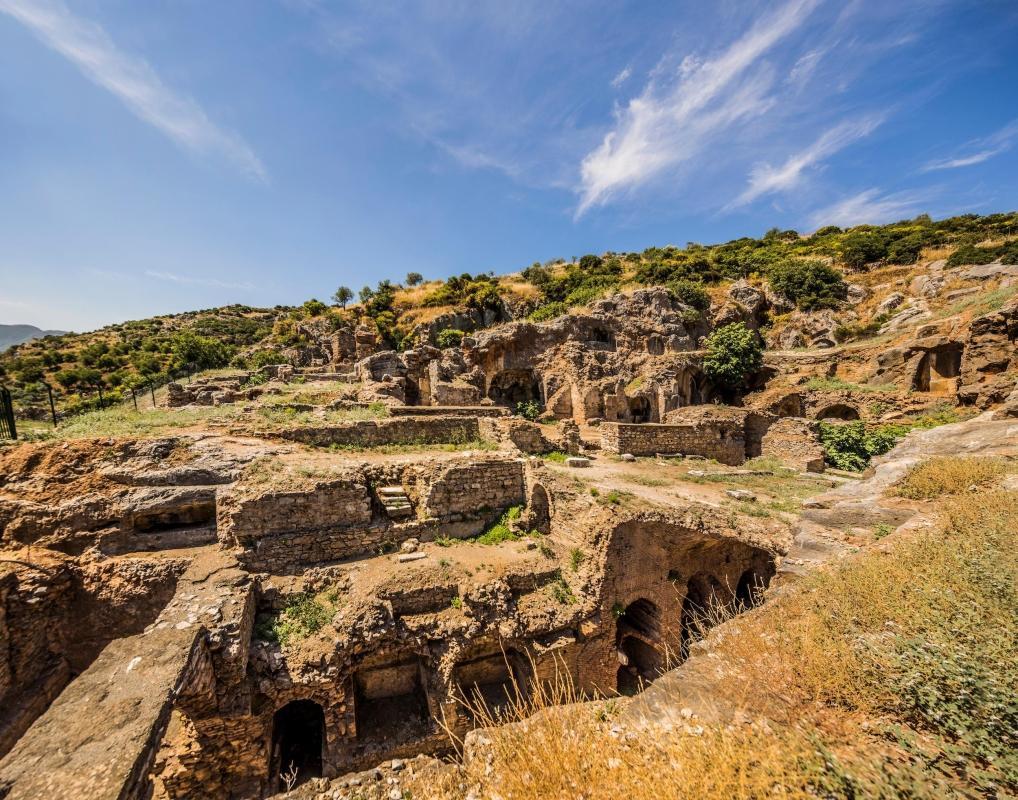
point(529, 409)
point(576, 558)
point(811, 284)
point(733, 354)
point(690, 293)
point(562, 592)
point(556, 457)
point(450, 337)
point(851, 445)
point(501, 531)
point(303, 616)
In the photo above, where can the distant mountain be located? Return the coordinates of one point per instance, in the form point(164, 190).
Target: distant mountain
point(16, 334)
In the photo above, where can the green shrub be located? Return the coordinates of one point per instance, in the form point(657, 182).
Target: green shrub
point(733, 354)
point(450, 337)
point(851, 445)
point(548, 312)
point(970, 254)
point(811, 285)
point(862, 247)
point(529, 409)
point(690, 293)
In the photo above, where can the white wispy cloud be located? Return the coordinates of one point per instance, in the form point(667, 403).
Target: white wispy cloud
point(622, 77)
point(131, 79)
point(870, 206)
point(804, 68)
point(189, 280)
point(979, 150)
point(766, 179)
point(670, 121)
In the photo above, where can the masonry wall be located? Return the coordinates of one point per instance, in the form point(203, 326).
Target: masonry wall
point(404, 430)
point(722, 441)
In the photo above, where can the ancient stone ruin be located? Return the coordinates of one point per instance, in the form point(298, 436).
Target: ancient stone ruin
point(368, 548)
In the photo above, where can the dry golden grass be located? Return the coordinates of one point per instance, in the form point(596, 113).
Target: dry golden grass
point(891, 674)
point(949, 475)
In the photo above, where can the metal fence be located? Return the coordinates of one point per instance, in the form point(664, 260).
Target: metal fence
point(8, 430)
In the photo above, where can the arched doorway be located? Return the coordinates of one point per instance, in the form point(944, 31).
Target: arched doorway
point(700, 608)
point(298, 735)
point(638, 642)
point(748, 591)
point(840, 411)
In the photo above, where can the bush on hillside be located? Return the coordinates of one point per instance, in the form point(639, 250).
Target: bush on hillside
point(733, 354)
point(862, 247)
point(690, 293)
point(811, 285)
point(450, 337)
point(201, 351)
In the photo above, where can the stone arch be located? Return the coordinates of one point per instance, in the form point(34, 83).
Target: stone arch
point(841, 411)
point(298, 739)
point(512, 386)
point(705, 598)
point(749, 590)
point(790, 406)
point(638, 643)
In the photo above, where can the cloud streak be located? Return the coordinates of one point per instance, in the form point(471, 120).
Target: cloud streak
point(980, 150)
point(765, 179)
point(669, 122)
point(870, 206)
point(188, 280)
point(87, 45)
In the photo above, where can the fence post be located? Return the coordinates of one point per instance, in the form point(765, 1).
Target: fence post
point(134, 397)
point(152, 389)
point(52, 405)
point(7, 413)
point(102, 403)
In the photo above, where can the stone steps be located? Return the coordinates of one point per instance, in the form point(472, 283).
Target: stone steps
point(395, 502)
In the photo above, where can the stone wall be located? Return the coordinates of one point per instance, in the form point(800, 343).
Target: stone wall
point(795, 442)
point(391, 431)
point(280, 526)
point(519, 433)
point(721, 440)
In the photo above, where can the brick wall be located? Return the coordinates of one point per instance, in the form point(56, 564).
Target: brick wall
point(723, 441)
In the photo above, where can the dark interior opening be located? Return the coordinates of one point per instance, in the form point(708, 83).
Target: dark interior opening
point(749, 591)
point(513, 386)
point(493, 683)
point(839, 411)
point(390, 703)
point(639, 409)
point(638, 639)
point(191, 516)
point(791, 406)
point(701, 606)
point(298, 735)
point(411, 393)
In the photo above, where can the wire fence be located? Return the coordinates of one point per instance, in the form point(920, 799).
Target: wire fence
point(39, 401)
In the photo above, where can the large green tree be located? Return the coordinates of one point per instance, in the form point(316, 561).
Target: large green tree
point(733, 354)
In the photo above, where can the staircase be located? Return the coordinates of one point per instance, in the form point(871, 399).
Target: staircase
point(395, 502)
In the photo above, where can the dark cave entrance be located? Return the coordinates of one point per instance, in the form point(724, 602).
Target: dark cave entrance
point(513, 386)
point(749, 591)
point(639, 409)
point(701, 608)
point(491, 685)
point(298, 736)
point(839, 411)
point(390, 703)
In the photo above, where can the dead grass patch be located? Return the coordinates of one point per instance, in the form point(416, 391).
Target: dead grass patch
point(949, 475)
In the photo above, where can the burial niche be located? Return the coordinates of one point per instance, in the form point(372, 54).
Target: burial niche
point(298, 734)
point(390, 702)
point(493, 684)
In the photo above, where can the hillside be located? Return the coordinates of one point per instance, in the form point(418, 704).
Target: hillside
point(16, 334)
point(831, 287)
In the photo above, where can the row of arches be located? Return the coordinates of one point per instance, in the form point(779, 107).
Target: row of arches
point(642, 646)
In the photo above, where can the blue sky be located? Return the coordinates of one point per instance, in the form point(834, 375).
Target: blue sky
point(177, 154)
